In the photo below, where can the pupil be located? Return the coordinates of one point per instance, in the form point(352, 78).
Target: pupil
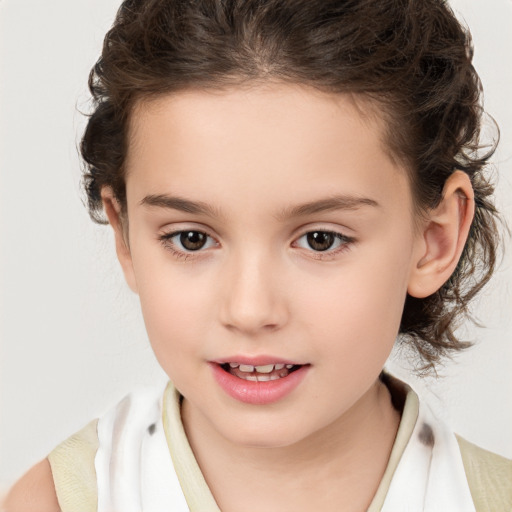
point(192, 240)
point(320, 240)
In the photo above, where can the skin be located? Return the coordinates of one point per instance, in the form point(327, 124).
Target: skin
point(258, 288)
point(34, 492)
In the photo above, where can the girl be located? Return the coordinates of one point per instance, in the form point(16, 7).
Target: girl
point(292, 185)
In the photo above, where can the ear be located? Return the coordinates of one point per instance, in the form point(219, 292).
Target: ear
point(114, 214)
point(443, 237)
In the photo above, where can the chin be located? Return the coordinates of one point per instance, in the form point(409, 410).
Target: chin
point(263, 434)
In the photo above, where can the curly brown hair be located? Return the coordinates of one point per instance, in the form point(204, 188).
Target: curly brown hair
point(410, 57)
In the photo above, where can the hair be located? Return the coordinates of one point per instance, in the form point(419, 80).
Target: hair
point(411, 58)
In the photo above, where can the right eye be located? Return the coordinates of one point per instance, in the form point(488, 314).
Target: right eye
point(187, 241)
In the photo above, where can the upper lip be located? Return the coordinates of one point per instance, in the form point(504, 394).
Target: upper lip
point(255, 360)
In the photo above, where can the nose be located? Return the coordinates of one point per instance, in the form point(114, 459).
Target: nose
point(253, 298)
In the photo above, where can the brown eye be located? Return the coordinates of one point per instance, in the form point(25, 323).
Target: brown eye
point(320, 240)
point(183, 244)
point(193, 240)
point(323, 244)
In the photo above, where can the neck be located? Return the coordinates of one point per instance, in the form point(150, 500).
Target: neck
point(347, 457)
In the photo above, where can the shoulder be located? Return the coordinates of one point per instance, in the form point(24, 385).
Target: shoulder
point(489, 477)
point(74, 475)
point(34, 492)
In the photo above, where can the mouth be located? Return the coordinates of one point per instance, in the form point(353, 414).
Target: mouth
point(260, 381)
point(260, 373)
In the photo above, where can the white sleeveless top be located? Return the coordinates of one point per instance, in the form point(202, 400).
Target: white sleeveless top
point(144, 463)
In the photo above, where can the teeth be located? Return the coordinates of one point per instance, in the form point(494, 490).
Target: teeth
point(264, 369)
point(265, 378)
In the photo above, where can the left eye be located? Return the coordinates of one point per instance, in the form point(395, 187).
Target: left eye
point(322, 241)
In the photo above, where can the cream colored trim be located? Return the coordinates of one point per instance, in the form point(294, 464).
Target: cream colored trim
point(407, 423)
point(489, 477)
point(196, 490)
point(72, 464)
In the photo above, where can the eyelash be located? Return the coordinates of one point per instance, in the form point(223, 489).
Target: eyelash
point(328, 254)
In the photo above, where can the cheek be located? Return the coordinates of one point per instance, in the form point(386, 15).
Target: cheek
point(359, 305)
point(175, 329)
point(176, 307)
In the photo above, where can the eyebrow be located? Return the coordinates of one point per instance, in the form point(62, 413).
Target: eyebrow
point(338, 202)
point(181, 204)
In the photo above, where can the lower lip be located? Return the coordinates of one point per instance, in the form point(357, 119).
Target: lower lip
point(258, 393)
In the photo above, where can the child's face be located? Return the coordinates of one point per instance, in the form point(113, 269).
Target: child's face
point(259, 289)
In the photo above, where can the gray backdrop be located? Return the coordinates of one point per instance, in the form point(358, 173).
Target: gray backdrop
point(72, 338)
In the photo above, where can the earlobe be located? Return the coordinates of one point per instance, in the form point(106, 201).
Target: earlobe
point(113, 211)
point(443, 237)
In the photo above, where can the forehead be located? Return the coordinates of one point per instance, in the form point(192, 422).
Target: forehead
point(258, 108)
point(257, 141)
